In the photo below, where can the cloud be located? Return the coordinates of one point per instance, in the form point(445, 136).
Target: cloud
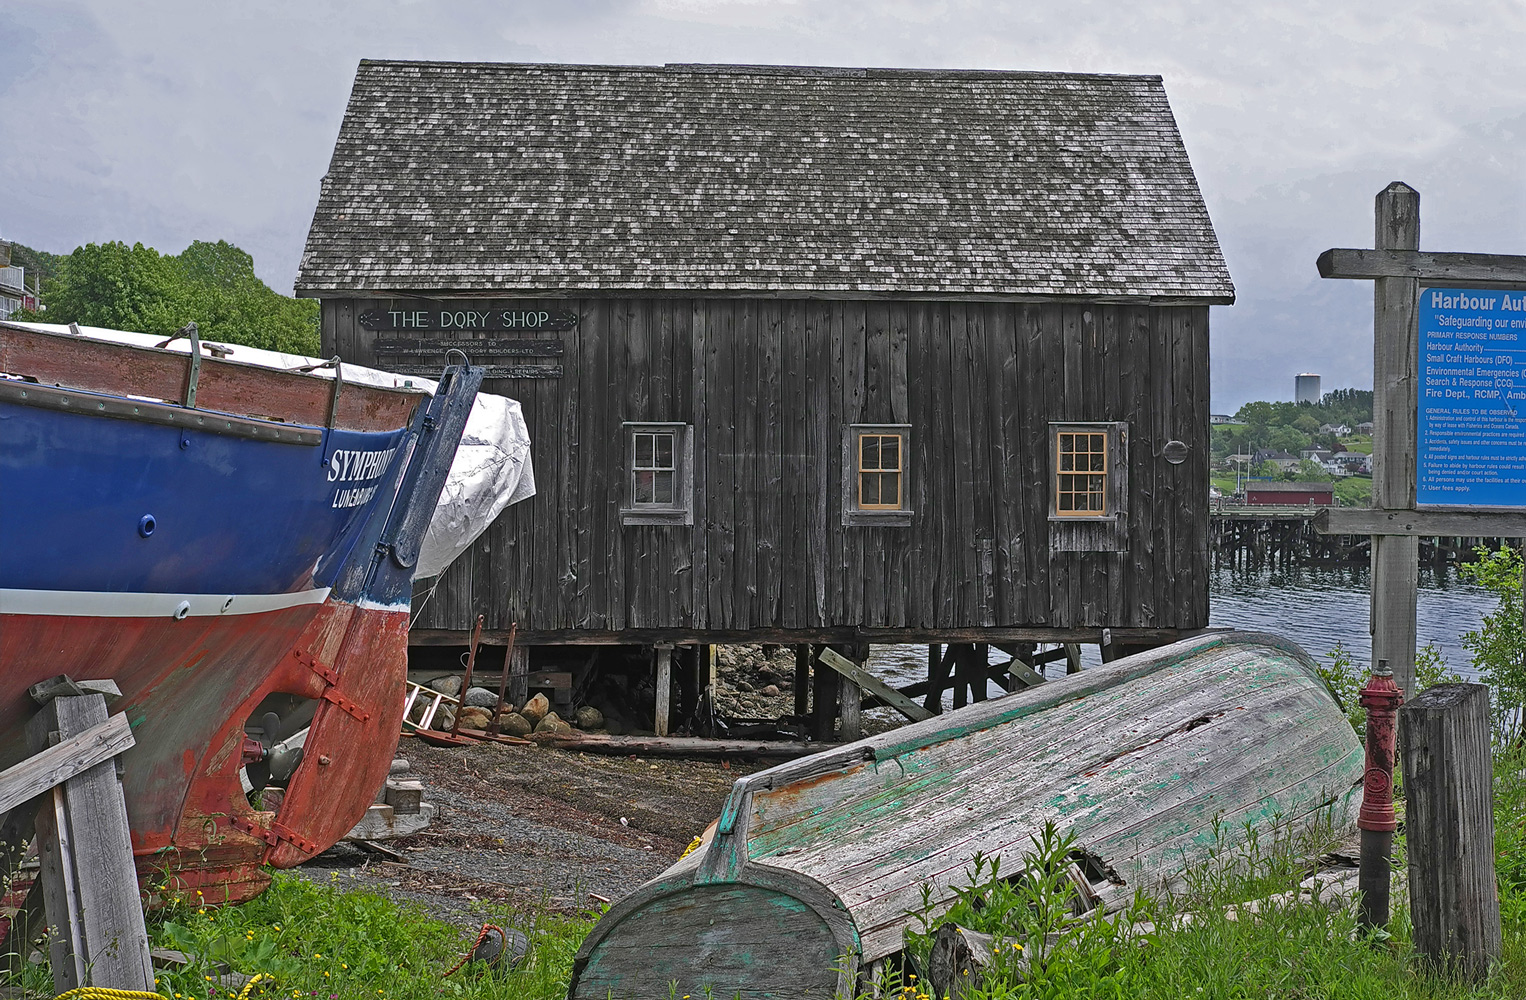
point(182, 120)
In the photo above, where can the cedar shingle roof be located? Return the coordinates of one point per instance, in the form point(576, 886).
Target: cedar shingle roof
point(774, 180)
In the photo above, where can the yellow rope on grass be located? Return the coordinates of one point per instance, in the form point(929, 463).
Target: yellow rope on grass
point(105, 993)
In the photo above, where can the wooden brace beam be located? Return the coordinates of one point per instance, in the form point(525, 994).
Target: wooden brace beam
point(1428, 267)
point(873, 685)
point(1425, 523)
point(59, 763)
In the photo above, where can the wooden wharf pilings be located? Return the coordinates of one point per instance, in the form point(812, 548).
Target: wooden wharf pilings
point(1277, 536)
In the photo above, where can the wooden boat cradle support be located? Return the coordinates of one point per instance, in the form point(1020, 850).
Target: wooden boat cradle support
point(69, 793)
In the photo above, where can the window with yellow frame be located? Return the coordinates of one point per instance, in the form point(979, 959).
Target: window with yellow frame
point(876, 477)
point(1082, 460)
point(880, 476)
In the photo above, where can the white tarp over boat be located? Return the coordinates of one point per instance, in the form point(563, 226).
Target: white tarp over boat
point(491, 469)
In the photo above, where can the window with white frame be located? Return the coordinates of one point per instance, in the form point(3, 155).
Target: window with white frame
point(659, 482)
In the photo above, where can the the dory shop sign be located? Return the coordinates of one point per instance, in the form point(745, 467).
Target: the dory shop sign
point(415, 317)
point(1472, 420)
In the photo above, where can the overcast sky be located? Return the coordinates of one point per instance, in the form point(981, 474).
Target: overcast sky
point(163, 122)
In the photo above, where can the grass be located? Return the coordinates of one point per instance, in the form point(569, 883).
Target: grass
point(334, 943)
point(1289, 951)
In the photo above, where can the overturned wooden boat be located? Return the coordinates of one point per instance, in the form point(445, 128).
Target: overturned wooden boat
point(1153, 762)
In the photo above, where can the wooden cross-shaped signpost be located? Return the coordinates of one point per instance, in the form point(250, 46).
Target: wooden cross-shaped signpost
point(1449, 458)
point(1464, 419)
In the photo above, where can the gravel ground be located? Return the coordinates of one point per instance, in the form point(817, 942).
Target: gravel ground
point(537, 827)
point(534, 827)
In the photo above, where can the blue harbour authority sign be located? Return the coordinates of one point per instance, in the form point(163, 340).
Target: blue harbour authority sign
point(1472, 414)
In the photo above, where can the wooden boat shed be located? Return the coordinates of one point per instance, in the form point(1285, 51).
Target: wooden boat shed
point(808, 355)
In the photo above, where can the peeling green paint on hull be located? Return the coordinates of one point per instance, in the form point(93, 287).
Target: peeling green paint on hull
point(1153, 761)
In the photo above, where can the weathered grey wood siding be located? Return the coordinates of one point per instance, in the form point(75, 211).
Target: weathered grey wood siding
point(769, 385)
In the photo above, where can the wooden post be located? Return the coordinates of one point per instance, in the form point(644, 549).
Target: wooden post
point(1072, 658)
point(664, 654)
point(1395, 367)
point(691, 665)
point(519, 677)
point(850, 695)
point(850, 699)
point(1449, 823)
point(90, 885)
point(802, 680)
point(961, 674)
point(940, 662)
point(980, 671)
point(823, 704)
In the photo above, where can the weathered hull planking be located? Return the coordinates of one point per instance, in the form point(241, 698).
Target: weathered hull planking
point(1154, 762)
point(205, 561)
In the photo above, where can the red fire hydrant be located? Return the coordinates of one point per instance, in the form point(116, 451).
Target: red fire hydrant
point(1381, 697)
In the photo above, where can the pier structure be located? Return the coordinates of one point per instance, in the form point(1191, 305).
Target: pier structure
point(1252, 536)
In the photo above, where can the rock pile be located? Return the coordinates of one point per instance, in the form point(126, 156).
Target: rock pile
point(535, 716)
point(756, 682)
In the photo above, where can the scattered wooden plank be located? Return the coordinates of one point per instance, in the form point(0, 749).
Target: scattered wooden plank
point(681, 746)
point(873, 684)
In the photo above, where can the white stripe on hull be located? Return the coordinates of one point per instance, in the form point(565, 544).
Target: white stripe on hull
point(100, 604)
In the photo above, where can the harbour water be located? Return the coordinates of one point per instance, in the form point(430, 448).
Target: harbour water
point(1317, 607)
point(1320, 607)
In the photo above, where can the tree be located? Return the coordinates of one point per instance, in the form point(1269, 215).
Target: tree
point(1497, 646)
point(1310, 471)
point(1288, 439)
point(135, 288)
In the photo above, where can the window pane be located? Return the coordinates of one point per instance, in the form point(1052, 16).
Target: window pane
point(662, 488)
point(664, 450)
point(869, 452)
point(644, 451)
point(1098, 462)
point(644, 486)
point(890, 453)
point(869, 486)
point(890, 489)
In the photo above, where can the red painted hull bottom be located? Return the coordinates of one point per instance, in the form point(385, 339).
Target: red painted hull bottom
point(188, 688)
